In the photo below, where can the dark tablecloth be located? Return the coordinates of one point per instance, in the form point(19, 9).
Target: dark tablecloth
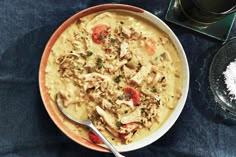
point(26, 130)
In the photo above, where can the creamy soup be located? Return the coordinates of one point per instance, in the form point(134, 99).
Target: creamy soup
point(118, 70)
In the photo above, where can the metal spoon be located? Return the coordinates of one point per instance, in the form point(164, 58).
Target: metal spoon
point(89, 124)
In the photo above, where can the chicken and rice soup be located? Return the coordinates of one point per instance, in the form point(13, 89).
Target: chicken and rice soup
point(118, 70)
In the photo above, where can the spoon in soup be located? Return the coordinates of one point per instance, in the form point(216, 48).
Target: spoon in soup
point(87, 123)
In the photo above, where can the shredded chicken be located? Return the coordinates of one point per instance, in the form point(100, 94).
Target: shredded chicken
point(108, 117)
point(130, 127)
point(128, 103)
point(134, 116)
point(124, 49)
point(127, 32)
point(143, 72)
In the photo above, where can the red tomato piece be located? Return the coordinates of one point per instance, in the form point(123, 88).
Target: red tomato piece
point(150, 46)
point(132, 125)
point(94, 138)
point(122, 137)
point(134, 94)
point(100, 33)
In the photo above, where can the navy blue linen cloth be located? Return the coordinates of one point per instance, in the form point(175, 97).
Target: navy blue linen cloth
point(26, 130)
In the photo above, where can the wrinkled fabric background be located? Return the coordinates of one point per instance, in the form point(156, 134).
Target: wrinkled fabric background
point(26, 130)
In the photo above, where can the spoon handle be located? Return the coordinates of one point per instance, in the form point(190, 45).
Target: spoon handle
point(106, 142)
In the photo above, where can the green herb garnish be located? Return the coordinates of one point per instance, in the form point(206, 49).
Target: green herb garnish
point(119, 124)
point(126, 111)
point(121, 22)
point(89, 53)
point(99, 60)
point(113, 40)
point(99, 63)
point(127, 97)
point(121, 97)
point(101, 37)
point(117, 79)
point(154, 90)
point(100, 66)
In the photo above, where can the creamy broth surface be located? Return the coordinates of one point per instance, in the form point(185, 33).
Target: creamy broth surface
point(117, 69)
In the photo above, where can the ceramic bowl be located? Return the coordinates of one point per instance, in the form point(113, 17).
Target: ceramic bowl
point(160, 25)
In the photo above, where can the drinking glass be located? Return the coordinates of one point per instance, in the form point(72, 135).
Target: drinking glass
point(207, 11)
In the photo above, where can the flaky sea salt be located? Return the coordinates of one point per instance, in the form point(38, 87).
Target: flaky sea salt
point(230, 79)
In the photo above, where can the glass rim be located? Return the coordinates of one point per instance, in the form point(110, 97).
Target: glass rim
point(226, 12)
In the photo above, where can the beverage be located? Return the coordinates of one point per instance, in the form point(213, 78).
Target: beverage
point(207, 11)
point(215, 6)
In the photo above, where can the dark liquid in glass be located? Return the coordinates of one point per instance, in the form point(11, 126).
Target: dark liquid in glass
point(206, 11)
point(216, 6)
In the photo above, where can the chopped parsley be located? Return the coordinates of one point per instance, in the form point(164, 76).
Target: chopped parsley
point(113, 40)
point(99, 60)
point(126, 111)
point(100, 66)
point(117, 79)
point(101, 37)
point(99, 63)
point(127, 97)
point(121, 22)
point(119, 124)
point(154, 90)
point(89, 53)
point(121, 97)
point(124, 97)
